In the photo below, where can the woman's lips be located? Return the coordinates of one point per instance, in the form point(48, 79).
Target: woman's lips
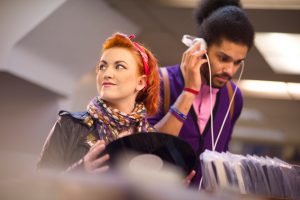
point(107, 84)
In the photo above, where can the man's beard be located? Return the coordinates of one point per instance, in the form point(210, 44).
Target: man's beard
point(223, 76)
point(205, 74)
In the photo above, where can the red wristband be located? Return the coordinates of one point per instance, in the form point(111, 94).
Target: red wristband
point(195, 92)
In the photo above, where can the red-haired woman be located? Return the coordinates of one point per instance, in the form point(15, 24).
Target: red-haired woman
point(128, 92)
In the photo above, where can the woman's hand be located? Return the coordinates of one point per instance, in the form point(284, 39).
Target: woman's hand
point(191, 62)
point(91, 161)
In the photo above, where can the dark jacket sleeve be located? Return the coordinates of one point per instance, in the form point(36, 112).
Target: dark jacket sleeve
point(64, 145)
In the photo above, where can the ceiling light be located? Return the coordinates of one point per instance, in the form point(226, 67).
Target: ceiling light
point(270, 89)
point(248, 4)
point(294, 90)
point(280, 50)
point(271, 4)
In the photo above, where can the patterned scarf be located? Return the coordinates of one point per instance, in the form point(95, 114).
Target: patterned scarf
point(112, 121)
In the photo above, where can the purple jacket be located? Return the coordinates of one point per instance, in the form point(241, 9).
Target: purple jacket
point(190, 131)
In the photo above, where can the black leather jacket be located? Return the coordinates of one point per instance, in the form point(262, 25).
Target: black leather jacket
point(67, 142)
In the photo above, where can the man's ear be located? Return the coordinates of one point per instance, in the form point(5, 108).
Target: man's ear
point(141, 83)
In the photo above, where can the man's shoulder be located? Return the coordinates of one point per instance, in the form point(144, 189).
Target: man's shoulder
point(174, 74)
point(172, 68)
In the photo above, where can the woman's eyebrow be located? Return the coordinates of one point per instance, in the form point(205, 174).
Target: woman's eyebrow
point(120, 61)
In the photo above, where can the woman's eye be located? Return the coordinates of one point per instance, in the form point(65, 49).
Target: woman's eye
point(119, 66)
point(102, 67)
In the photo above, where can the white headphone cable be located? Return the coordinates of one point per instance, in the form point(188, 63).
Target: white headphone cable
point(211, 114)
point(223, 123)
point(214, 144)
point(213, 141)
point(211, 106)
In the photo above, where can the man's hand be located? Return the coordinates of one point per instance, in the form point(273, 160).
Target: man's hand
point(191, 62)
point(189, 177)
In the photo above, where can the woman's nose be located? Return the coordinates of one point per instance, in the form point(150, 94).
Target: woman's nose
point(108, 73)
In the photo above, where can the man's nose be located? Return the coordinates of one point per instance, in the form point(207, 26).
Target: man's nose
point(229, 68)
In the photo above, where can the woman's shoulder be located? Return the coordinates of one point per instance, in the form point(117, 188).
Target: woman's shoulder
point(83, 118)
point(76, 115)
point(75, 125)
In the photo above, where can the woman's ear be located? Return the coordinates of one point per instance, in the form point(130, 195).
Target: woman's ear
point(141, 83)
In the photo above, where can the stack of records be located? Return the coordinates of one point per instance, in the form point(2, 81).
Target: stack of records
point(250, 174)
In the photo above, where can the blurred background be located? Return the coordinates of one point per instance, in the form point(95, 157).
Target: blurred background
point(49, 48)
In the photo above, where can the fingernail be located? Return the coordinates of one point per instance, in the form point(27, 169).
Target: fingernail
point(98, 142)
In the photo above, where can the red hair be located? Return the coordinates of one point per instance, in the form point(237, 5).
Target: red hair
point(150, 94)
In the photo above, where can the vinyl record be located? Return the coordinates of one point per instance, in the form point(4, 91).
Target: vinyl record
point(170, 149)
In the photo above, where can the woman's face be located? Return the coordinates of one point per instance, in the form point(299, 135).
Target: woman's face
point(118, 78)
